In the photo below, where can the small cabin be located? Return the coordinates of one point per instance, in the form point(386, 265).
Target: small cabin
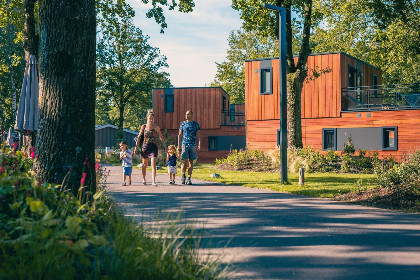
point(346, 100)
point(106, 136)
point(222, 124)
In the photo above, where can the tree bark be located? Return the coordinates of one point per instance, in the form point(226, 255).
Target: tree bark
point(66, 134)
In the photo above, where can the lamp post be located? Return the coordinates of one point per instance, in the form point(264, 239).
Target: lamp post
point(282, 89)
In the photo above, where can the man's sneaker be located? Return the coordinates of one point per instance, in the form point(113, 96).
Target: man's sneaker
point(183, 179)
point(188, 182)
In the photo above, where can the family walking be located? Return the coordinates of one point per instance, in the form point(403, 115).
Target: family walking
point(189, 141)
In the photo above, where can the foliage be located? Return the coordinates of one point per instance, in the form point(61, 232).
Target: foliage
point(12, 60)
point(246, 160)
point(403, 179)
point(383, 33)
point(128, 67)
point(45, 231)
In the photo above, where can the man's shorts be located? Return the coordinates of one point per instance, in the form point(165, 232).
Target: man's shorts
point(127, 170)
point(172, 169)
point(189, 152)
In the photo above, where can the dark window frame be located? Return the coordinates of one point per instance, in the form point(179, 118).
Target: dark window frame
point(210, 139)
point(169, 110)
point(375, 85)
point(385, 146)
point(324, 139)
point(270, 70)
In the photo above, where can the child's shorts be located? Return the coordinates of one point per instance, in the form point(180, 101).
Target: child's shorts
point(127, 170)
point(172, 169)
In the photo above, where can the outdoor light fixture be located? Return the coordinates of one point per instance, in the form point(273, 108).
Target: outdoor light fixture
point(282, 89)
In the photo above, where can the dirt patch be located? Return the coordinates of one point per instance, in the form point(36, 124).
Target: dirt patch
point(383, 198)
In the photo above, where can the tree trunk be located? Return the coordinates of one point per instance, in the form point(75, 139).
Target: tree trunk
point(120, 132)
point(66, 134)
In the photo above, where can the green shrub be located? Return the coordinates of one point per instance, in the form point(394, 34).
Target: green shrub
point(402, 179)
point(246, 159)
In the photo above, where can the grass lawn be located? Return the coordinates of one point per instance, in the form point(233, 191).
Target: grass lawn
point(316, 184)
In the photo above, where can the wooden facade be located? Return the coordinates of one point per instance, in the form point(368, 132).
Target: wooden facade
point(324, 103)
point(212, 110)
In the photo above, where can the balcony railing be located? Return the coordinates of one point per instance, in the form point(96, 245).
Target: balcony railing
point(233, 117)
point(381, 97)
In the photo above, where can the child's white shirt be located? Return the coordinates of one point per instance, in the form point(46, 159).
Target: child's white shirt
point(127, 161)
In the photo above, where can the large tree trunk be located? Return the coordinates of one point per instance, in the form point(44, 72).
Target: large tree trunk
point(65, 144)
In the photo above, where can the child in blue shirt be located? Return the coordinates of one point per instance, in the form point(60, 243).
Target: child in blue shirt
point(171, 158)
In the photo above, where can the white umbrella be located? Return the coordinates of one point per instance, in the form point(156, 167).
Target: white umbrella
point(27, 114)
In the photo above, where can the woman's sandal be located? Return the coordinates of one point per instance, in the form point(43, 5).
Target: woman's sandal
point(144, 183)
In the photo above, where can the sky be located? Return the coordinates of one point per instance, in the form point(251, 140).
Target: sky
point(192, 42)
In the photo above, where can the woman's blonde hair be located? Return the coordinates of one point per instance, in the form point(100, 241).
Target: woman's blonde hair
point(150, 112)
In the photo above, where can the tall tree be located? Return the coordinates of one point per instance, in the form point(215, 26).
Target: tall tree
point(128, 67)
point(255, 17)
point(65, 144)
point(383, 33)
point(243, 45)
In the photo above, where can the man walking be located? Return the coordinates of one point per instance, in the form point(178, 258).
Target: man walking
point(188, 137)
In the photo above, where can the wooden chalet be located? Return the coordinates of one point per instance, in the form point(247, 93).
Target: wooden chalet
point(347, 101)
point(222, 124)
point(106, 136)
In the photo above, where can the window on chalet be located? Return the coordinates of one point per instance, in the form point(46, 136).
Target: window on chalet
point(232, 113)
point(375, 85)
point(169, 103)
point(212, 143)
point(266, 81)
point(390, 138)
point(329, 139)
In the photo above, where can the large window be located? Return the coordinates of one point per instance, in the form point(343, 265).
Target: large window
point(390, 138)
point(169, 103)
point(232, 113)
point(266, 81)
point(329, 139)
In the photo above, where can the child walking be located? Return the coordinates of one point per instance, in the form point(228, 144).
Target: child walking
point(127, 162)
point(171, 159)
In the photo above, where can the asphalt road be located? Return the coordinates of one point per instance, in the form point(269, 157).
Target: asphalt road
point(271, 235)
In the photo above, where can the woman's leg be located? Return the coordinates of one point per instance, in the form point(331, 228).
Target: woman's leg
point(153, 164)
point(143, 169)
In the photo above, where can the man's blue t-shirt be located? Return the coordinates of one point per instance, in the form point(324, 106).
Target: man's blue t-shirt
point(189, 130)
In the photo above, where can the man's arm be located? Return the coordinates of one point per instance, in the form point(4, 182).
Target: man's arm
point(179, 139)
point(198, 139)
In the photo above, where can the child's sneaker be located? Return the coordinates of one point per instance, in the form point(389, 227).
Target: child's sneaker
point(188, 182)
point(171, 182)
point(183, 179)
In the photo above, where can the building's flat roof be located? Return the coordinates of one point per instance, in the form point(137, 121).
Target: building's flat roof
point(191, 88)
point(313, 54)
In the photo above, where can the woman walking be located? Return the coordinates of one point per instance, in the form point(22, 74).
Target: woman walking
point(150, 148)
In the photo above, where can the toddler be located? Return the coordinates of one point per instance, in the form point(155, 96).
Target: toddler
point(171, 159)
point(127, 163)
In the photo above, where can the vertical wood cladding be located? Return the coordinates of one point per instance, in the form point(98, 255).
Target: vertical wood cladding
point(262, 134)
point(321, 97)
point(206, 103)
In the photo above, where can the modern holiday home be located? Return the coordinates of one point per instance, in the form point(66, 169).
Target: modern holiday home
point(346, 101)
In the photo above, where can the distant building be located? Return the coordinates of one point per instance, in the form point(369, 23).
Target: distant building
point(106, 136)
point(222, 124)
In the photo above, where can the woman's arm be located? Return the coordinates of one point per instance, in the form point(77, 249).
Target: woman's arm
point(138, 138)
point(161, 138)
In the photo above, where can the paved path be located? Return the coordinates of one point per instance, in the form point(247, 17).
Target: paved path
point(271, 235)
